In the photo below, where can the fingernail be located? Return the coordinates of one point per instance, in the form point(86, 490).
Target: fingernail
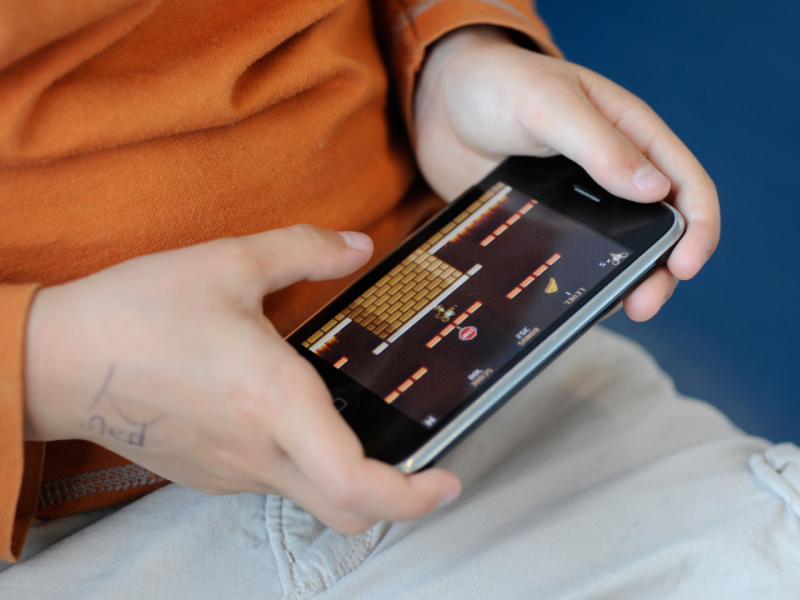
point(356, 240)
point(706, 257)
point(448, 497)
point(647, 178)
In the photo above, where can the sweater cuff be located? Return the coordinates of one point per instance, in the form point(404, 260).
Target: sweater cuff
point(409, 30)
point(20, 463)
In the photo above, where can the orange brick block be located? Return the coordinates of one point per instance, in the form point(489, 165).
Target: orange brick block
point(460, 318)
point(512, 219)
point(487, 240)
point(405, 385)
point(447, 330)
point(513, 292)
point(436, 339)
point(540, 270)
point(419, 373)
point(500, 229)
point(340, 363)
point(525, 208)
point(527, 281)
point(474, 307)
point(391, 397)
point(553, 259)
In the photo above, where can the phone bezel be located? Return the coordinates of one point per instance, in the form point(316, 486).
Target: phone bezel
point(649, 230)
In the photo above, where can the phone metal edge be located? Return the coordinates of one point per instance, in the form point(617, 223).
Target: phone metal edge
point(580, 320)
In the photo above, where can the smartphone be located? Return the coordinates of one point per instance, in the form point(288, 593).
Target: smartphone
point(436, 337)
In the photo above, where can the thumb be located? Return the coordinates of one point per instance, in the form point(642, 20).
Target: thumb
point(579, 131)
point(304, 252)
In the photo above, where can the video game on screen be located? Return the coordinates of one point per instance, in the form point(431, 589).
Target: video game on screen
point(436, 327)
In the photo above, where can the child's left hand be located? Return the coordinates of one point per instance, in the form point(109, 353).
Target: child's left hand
point(481, 98)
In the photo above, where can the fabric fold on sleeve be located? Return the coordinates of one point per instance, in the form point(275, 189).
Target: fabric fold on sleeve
point(29, 25)
point(20, 462)
point(408, 28)
point(43, 43)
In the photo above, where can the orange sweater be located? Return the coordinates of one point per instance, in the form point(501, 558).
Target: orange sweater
point(135, 126)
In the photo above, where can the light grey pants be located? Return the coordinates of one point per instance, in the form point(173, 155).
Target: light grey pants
point(596, 481)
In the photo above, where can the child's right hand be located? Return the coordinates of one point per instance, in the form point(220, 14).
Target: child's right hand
point(168, 360)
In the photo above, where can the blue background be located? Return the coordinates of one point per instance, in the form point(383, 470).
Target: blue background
point(725, 75)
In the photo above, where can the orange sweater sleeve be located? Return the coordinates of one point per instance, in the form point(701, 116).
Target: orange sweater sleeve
point(408, 27)
point(18, 492)
point(40, 42)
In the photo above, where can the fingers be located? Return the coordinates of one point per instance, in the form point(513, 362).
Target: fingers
point(699, 242)
point(693, 191)
point(346, 489)
point(348, 515)
point(609, 132)
point(648, 298)
point(333, 478)
point(575, 128)
point(275, 259)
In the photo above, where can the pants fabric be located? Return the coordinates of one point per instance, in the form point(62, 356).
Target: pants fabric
point(596, 481)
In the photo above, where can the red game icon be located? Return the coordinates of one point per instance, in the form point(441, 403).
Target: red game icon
point(468, 333)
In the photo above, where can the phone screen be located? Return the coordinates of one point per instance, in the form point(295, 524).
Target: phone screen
point(435, 328)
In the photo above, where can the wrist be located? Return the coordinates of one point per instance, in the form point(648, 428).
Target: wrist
point(462, 40)
point(46, 407)
point(433, 79)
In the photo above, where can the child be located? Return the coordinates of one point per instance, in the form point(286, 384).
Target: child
point(160, 157)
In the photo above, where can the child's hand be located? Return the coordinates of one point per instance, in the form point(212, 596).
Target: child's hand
point(481, 98)
point(168, 360)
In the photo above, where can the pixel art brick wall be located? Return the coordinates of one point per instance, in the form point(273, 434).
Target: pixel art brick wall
point(399, 295)
point(409, 287)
